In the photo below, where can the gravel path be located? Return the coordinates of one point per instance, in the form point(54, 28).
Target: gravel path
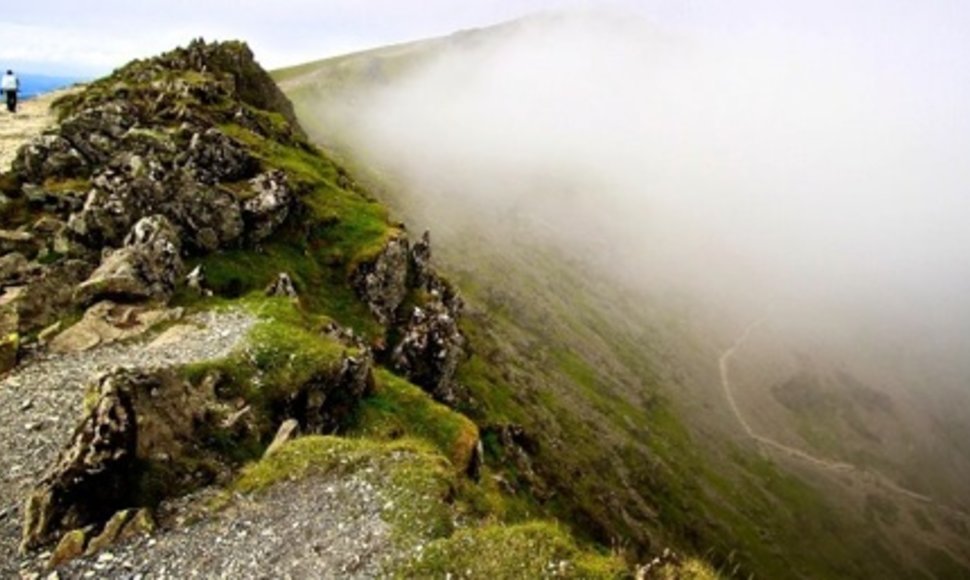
point(32, 117)
point(41, 401)
point(322, 527)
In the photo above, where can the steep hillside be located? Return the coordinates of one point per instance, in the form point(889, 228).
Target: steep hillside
point(622, 398)
point(222, 358)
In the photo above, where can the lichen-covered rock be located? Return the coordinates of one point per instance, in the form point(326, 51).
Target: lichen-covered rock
point(209, 217)
point(115, 203)
point(283, 286)
point(148, 266)
point(71, 546)
point(93, 473)
point(46, 293)
point(269, 207)
point(9, 337)
point(14, 269)
point(420, 261)
point(95, 131)
point(140, 423)
point(382, 283)
point(18, 241)
point(212, 157)
point(327, 401)
point(49, 156)
point(431, 349)
point(124, 525)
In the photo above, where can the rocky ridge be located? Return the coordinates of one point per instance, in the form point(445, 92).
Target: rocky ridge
point(175, 186)
point(167, 168)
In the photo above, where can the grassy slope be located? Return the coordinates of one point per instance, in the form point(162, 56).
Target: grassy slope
point(337, 227)
point(605, 382)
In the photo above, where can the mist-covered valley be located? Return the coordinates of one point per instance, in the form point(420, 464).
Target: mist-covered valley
point(674, 181)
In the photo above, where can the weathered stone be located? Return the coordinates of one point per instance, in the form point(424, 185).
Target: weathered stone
point(430, 350)
point(382, 282)
point(95, 131)
point(288, 430)
point(107, 322)
point(269, 207)
point(325, 402)
point(46, 295)
point(420, 261)
point(14, 269)
point(154, 419)
point(148, 266)
point(212, 157)
point(49, 155)
point(195, 280)
point(93, 472)
point(9, 337)
point(282, 286)
point(71, 546)
point(123, 525)
point(17, 241)
point(210, 218)
point(45, 336)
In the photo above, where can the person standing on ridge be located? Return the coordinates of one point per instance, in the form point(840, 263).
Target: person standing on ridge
point(10, 86)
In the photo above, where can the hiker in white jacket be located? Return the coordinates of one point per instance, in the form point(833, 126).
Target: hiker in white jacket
point(10, 85)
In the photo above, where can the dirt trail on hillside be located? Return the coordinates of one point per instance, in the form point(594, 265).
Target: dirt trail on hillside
point(32, 117)
point(767, 442)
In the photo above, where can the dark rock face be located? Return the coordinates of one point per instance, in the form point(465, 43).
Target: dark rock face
point(213, 157)
point(431, 349)
point(94, 472)
point(431, 345)
point(49, 156)
point(269, 207)
point(383, 282)
point(326, 402)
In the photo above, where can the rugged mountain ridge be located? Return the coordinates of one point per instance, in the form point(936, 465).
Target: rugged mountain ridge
point(178, 199)
point(618, 392)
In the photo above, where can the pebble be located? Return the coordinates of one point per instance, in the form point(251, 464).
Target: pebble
point(41, 400)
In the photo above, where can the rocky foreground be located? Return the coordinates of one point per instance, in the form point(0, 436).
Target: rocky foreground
point(194, 303)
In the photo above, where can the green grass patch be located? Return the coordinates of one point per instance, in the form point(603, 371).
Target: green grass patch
point(532, 550)
point(399, 409)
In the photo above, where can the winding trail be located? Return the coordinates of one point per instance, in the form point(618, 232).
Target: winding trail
point(32, 117)
point(820, 462)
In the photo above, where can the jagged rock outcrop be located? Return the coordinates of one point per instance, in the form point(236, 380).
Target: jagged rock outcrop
point(147, 267)
point(382, 283)
point(431, 345)
point(269, 206)
point(213, 157)
point(139, 175)
point(145, 429)
point(94, 473)
point(431, 349)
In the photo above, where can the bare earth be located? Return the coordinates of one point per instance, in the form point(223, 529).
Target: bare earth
point(31, 118)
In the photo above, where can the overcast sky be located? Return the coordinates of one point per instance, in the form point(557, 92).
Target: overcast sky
point(92, 38)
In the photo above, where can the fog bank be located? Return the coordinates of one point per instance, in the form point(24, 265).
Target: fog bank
point(820, 162)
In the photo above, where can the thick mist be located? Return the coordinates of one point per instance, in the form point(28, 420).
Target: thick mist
point(819, 166)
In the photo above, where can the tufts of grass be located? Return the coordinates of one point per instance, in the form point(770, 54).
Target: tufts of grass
point(399, 409)
point(531, 550)
point(415, 478)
